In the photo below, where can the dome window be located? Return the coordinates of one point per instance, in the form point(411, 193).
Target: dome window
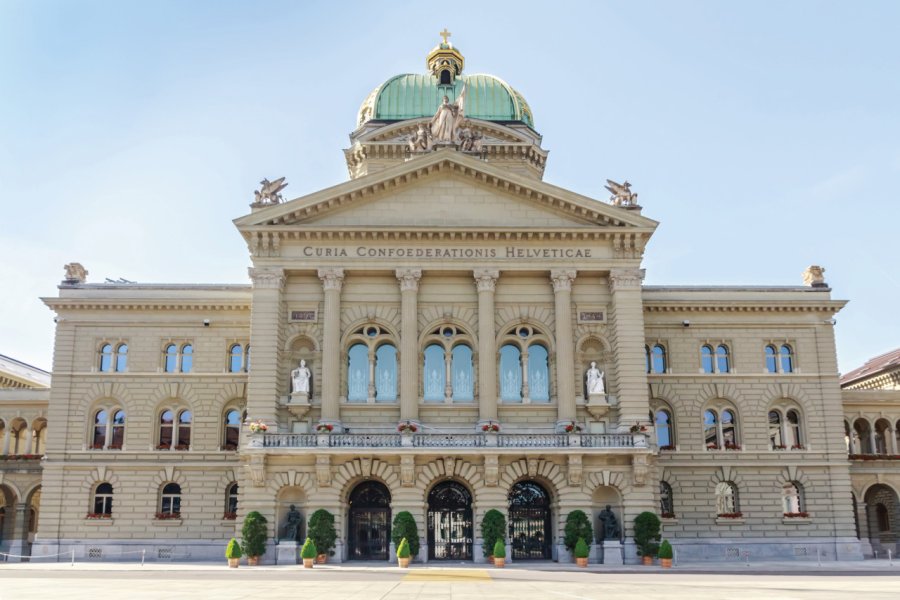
point(446, 78)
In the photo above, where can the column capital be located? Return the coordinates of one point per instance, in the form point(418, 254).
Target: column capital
point(409, 279)
point(332, 279)
point(562, 279)
point(266, 277)
point(486, 279)
point(626, 278)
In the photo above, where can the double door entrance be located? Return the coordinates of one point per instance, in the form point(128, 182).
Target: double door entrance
point(370, 522)
point(449, 522)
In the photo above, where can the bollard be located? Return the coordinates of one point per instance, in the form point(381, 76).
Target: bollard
point(73, 557)
point(890, 558)
point(143, 552)
point(876, 554)
point(818, 556)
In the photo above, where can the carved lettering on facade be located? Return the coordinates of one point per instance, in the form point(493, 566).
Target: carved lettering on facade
point(302, 316)
point(507, 252)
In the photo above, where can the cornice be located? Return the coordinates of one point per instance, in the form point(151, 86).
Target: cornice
point(94, 304)
point(829, 306)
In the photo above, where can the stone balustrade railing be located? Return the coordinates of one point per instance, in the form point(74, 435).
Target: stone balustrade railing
point(443, 440)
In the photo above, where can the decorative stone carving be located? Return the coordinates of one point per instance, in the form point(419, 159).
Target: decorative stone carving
point(562, 279)
point(641, 469)
point(449, 465)
point(409, 279)
point(332, 279)
point(257, 469)
point(75, 273)
point(486, 279)
point(491, 470)
point(532, 466)
point(323, 470)
point(292, 526)
point(595, 386)
point(266, 278)
point(814, 276)
point(610, 525)
point(621, 194)
point(626, 278)
point(470, 140)
point(421, 141)
point(268, 193)
point(575, 469)
point(300, 381)
point(408, 471)
point(448, 118)
point(365, 465)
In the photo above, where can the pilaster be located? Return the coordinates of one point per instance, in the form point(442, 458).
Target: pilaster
point(628, 345)
point(265, 338)
point(565, 389)
point(332, 282)
point(409, 334)
point(486, 281)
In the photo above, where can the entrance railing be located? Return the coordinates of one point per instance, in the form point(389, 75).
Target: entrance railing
point(442, 440)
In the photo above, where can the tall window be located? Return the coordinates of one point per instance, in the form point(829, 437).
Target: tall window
point(121, 358)
point(771, 359)
point(727, 498)
point(103, 499)
point(371, 366)
point(665, 433)
point(386, 373)
point(882, 436)
point(862, 438)
point(666, 501)
point(723, 359)
point(524, 366)
point(117, 437)
point(656, 358)
point(178, 359)
point(448, 374)
point(787, 359)
point(785, 427)
point(231, 501)
point(175, 429)
point(720, 428)
point(462, 374)
point(185, 418)
point(113, 359)
point(716, 360)
point(166, 430)
point(792, 498)
point(106, 358)
point(793, 430)
point(108, 433)
point(435, 376)
point(776, 440)
point(170, 500)
point(707, 364)
point(779, 359)
point(358, 374)
point(232, 433)
point(101, 422)
point(238, 358)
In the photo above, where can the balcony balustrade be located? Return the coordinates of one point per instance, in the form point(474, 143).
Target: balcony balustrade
point(443, 440)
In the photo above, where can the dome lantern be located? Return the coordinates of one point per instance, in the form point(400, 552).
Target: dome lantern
point(445, 62)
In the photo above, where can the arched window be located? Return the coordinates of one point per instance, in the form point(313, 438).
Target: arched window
point(358, 373)
point(166, 430)
point(538, 374)
point(434, 376)
point(658, 362)
point(121, 358)
point(720, 428)
point(386, 373)
point(178, 359)
point(231, 501)
point(775, 438)
point(101, 421)
point(787, 359)
point(117, 438)
point(232, 433)
point(793, 430)
point(862, 437)
point(187, 358)
point(235, 358)
point(103, 499)
point(723, 359)
point(647, 358)
point(792, 498)
point(666, 501)
point(510, 374)
point(463, 378)
point(707, 365)
point(39, 442)
point(729, 429)
point(171, 358)
point(882, 436)
point(771, 359)
point(711, 430)
point(184, 430)
point(665, 433)
point(170, 501)
point(106, 357)
point(727, 499)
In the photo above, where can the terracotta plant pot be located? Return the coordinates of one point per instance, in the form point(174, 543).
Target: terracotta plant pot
point(252, 561)
point(403, 562)
point(321, 559)
point(234, 562)
point(647, 561)
point(499, 562)
point(581, 562)
point(665, 563)
point(308, 563)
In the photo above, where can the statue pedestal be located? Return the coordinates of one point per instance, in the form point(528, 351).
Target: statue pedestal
point(598, 405)
point(287, 553)
point(612, 552)
point(296, 403)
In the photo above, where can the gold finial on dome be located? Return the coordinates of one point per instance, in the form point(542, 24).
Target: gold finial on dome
point(445, 62)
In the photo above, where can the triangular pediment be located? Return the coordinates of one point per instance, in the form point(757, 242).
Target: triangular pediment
point(449, 190)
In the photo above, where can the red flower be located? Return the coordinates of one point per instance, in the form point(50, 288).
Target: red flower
point(796, 515)
point(733, 515)
point(167, 516)
point(229, 516)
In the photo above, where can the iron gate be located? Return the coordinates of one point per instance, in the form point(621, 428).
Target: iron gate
point(529, 522)
point(370, 522)
point(449, 522)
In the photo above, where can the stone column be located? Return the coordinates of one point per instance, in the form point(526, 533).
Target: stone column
point(409, 342)
point(265, 337)
point(486, 281)
point(19, 540)
point(628, 345)
point(6, 434)
point(565, 351)
point(332, 282)
point(29, 439)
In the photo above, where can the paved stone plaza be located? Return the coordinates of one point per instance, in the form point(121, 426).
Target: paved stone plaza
point(876, 579)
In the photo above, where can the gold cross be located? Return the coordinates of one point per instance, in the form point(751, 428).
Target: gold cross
point(445, 34)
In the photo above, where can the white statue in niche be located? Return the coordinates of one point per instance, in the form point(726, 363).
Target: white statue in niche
point(300, 379)
point(595, 385)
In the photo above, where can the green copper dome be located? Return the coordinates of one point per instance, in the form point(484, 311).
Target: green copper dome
point(413, 96)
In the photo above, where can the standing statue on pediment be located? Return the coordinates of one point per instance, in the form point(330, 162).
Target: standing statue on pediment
point(448, 118)
point(621, 193)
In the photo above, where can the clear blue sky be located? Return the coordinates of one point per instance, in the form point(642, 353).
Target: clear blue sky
point(764, 136)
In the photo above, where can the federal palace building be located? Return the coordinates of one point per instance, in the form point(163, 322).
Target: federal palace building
point(445, 333)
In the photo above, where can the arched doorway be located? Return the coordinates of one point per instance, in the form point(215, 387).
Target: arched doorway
point(449, 522)
point(882, 517)
point(370, 521)
point(529, 521)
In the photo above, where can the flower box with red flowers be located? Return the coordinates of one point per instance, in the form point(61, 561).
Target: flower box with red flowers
point(798, 447)
point(667, 515)
point(408, 427)
point(874, 457)
point(638, 428)
point(258, 427)
point(732, 446)
point(324, 428)
point(572, 428)
point(712, 446)
point(668, 447)
point(732, 515)
point(167, 516)
point(491, 427)
point(164, 447)
point(229, 516)
point(114, 447)
point(98, 516)
point(796, 515)
point(779, 447)
point(97, 447)
point(183, 447)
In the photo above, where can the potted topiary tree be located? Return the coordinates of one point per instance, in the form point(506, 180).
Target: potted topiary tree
point(493, 526)
point(646, 536)
point(405, 527)
point(403, 554)
point(254, 534)
point(499, 553)
point(308, 553)
point(578, 527)
point(233, 553)
point(582, 551)
point(665, 554)
point(321, 531)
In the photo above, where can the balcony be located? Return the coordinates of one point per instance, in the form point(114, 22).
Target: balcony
point(458, 441)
